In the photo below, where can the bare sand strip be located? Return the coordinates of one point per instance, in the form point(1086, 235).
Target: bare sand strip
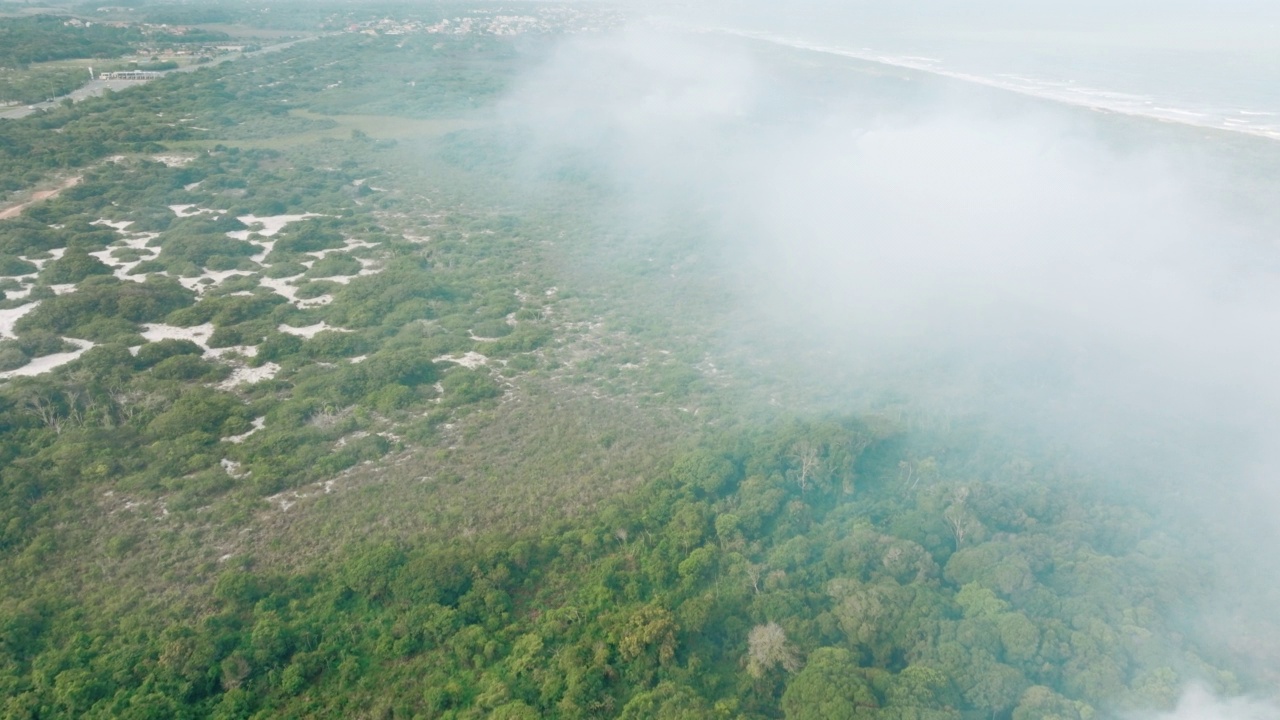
point(37, 197)
point(49, 362)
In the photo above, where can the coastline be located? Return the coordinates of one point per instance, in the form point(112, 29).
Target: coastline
point(1241, 121)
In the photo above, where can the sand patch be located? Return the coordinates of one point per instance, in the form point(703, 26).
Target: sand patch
point(10, 316)
point(37, 197)
point(198, 334)
point(469, 360)
point(198, 284)
point(249, 375)
point(173, 160)
point(241, 350)
point(315, 302)
point(258, 424)
point(49, 362)
point(274, 223)
point(309, 331)
point(139, 241)
point(281, 287)
point(183, 211)
point(119, 268)
point(233, 469)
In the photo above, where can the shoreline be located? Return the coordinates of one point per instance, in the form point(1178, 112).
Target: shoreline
point(1162, 112)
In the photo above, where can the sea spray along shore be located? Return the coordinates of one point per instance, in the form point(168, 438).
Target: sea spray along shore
point(1249, 121)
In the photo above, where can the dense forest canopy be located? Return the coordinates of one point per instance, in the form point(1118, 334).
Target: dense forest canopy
point(352, 379)
point(52, 37)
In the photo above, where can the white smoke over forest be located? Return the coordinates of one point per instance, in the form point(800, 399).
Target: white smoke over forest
point(1038, 265)
point(1199, 704)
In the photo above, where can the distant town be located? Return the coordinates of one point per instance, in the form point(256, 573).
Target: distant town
point(545, 20)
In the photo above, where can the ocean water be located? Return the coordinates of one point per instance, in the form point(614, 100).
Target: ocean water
point(1205, 65)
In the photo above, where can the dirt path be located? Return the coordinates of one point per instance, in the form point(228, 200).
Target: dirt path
point(37, 197)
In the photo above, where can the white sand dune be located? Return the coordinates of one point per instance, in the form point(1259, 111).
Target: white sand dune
point(173, 160)
point(258, 424)
point(49, 362)
point(466, 360)
point(199, 285)
point(289, 292)
point(184, 210)
point(315, 302)
point(10, 316)
point(310, 331)
point(119, 268)
point(281, 287)
point(249, 375)
point(198, 334)
point(273, 224)
point(242, 350)
point(139, 241)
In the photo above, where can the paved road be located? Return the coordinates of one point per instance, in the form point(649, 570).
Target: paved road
point(94, 88)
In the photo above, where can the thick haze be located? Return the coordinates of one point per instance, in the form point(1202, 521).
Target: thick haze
point(1090, 280)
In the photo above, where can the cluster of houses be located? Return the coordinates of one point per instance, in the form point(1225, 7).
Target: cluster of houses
point(130, 75)
point(546, 20)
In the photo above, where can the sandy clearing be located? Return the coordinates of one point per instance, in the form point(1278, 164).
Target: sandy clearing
point(119, 225)
point(198, 334)
point(467, 360)
point(49, 362)
point(258, 424)
point(242, 350)
point(310, 330)
point(273, 224)
point(289, 292)
point(248, 375)
point(139, 240)
point(283, 501)
point(119, 268)
point(340, 279)
point(181, 210)
point(63, 289)
point(173, 160)
point(266, 245)
point(281, 287)
point(37, 197)
point(198, 285)
point(10, 316)
point(56, 254)
point(315, 302)
point(233, 469)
